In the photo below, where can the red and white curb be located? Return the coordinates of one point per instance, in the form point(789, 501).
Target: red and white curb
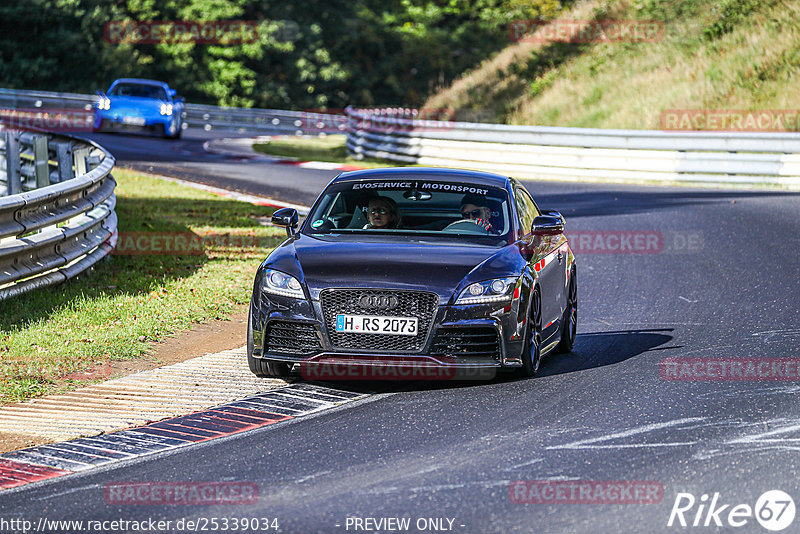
point(54, 460)
point(137, 399)
point(324, 165)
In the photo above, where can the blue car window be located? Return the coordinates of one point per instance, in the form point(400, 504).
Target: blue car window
point(139, 90)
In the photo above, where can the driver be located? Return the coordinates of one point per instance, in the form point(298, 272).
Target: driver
point(474, 208)
point(382, 213)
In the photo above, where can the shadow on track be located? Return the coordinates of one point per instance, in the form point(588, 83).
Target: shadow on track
point(592, 350)
point(598, 349)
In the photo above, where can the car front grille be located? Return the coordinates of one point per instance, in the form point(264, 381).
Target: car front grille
point(419, 304)
point(291, 337)
point(466, 342)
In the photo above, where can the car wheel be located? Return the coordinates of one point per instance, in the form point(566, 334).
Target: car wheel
point(178, 129)
point(173, 131)
point(263, 368)
point(569, 323)
point(532, 353)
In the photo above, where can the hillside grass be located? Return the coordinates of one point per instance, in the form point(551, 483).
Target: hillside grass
point(730, 54)
point(129, 301)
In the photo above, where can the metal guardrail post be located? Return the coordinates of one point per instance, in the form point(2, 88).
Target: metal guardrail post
point(65, 171)
point(80, 155)
point(41, 161)
point(13, 175)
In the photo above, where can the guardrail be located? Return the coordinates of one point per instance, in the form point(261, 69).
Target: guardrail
point(57, 215)
point(398, 134)
point(578, 153)
point(255, 120)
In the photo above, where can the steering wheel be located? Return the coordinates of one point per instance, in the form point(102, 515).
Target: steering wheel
point(469, 225)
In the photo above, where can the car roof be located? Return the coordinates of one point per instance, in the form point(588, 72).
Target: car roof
point(142, 81)
point(429, 173)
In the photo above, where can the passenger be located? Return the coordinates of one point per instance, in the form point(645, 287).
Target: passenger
point(475, 208)
point(382, 214)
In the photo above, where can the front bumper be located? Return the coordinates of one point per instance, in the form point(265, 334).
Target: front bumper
point(125, 120)
point(302, 325)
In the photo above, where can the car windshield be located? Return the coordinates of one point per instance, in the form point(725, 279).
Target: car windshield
point(140, 90)
point(427, 207)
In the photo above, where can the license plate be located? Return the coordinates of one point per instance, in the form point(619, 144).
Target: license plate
point(371, 324)
point(135, 121)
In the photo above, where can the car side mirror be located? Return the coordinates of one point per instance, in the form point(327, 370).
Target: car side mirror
point(554, 213)
point(547, 225)
point(286, 217)
point(173, 92)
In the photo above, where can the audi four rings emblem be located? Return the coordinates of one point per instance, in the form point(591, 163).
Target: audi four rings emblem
point(381, 302)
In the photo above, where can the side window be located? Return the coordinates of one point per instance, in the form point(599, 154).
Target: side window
point(526, 208)
point(337, 206)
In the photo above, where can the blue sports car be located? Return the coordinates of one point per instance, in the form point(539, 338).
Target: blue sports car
point(141, 104)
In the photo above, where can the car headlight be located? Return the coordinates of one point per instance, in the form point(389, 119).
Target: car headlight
point(496, 290)
point(281, 284)
point(166, 109)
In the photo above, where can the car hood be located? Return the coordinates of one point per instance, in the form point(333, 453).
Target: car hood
point(438, 266)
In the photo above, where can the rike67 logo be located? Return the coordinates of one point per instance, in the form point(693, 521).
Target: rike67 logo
point(774, 510)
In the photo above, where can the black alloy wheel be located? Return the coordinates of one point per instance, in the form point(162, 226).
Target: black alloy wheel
point(569, 323)
point(532, 354)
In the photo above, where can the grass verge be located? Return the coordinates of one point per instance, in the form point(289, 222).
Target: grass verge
point(131, 300)
point(331, 148)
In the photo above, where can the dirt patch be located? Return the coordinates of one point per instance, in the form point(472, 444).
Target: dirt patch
point(12, 442)
point(214, 336)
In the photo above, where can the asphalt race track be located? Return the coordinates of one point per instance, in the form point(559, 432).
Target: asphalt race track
point(721, 282)
point(186, 159)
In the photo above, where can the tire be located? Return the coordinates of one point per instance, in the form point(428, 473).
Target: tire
point(167, 135)
point(178, 129)
point(532, 352)
point(263, 368)
point(569, 323)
